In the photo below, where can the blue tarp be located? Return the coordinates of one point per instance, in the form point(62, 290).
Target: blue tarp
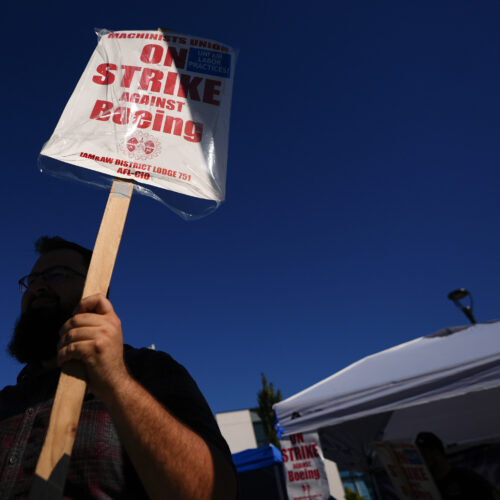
point(257, 458)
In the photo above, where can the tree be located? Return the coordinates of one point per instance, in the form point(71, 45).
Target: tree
point(266, 397)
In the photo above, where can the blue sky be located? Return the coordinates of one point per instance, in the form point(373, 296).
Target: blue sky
point(362, 184)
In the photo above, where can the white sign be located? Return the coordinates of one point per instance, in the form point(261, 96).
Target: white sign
point(407, 470)
point(304, 467)
point(152, 107)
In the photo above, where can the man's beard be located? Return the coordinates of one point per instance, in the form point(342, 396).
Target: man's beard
point(36, 333)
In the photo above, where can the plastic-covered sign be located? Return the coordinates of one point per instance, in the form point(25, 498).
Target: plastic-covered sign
point(153, 107)
point(304, 466)
point(407, 469)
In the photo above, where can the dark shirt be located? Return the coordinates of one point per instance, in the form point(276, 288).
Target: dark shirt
point(99, 467)
point(464, 484)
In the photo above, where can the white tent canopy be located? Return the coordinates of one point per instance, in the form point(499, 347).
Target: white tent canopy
point(447, 383)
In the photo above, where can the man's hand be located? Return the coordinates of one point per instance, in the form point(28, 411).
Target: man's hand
point(94, 337)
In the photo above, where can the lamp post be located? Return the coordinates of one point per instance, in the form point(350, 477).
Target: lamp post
point(456, 296)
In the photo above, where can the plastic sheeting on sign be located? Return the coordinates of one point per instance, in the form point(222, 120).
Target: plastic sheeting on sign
point(152, 107)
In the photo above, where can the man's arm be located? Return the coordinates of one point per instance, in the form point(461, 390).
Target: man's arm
point(171, 460)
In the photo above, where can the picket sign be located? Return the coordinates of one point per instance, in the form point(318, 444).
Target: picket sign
point(122, 124)
point(304, 467)
point(52, 466)
point(407, 470)
point(153, 108)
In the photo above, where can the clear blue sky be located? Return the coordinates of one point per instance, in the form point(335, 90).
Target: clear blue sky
point(363, 180)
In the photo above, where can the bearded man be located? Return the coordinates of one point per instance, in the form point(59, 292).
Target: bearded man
point(145, 430)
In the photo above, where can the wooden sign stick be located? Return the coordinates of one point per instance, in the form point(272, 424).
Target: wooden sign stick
point(52, 466)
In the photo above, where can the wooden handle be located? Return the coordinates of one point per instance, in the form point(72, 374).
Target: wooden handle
point(54, 458)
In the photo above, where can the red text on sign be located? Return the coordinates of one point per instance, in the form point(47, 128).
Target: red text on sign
point(300, 452)
point(159, 121)
point(303, 475)
point(147, 100)
point(154, 80)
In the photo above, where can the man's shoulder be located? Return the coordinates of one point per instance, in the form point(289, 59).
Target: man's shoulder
point(145, 354)
point(152, 367)
point(145, 360)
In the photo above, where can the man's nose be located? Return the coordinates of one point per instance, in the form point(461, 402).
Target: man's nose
point(36, 288)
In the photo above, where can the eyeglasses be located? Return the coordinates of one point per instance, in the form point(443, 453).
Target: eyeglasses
point(52, 275)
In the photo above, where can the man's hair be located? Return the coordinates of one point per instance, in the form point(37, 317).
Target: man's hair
point(47, 244)
point(429, 441)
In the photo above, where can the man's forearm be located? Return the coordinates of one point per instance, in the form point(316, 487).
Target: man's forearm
point(172, 461)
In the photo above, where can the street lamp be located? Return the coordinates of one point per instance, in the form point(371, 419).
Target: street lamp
point(456, 296)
